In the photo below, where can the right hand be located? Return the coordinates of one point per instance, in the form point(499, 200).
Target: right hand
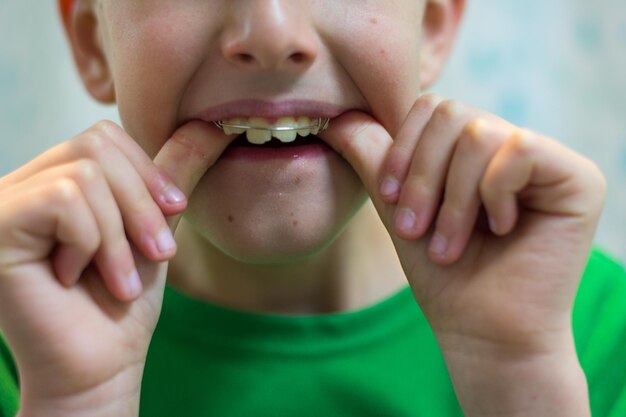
point(85, 232)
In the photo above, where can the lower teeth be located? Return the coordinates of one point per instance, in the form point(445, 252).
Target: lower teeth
point(275, 143)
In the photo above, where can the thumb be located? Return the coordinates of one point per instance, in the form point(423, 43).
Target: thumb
point(364, 143)
point(188, 154)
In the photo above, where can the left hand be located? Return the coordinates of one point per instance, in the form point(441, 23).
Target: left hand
point(492, 224)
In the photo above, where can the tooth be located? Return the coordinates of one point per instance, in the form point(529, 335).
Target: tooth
point(258, 137)
point(315, 130)
point(257, 122)
point(260, 130)
point(285, 135)
point(227, 130)
point(304, 121)
point(237, 121)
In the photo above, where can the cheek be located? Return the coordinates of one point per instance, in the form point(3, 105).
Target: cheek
point(395, 81)
point(383, 59)
point(154, 60)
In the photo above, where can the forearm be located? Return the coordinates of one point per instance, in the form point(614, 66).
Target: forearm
point(551, 385)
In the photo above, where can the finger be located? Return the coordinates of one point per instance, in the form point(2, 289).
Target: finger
point(421, 192)
point(163, 190)
point(423, 189)
point(35, 220)
point(364, 143)
point(401, 153)
point(109, 145)
point(188, 154)
point(457, 217)
point(143, 219)
point(89, 144)
point(114, 257)
point(542, 176)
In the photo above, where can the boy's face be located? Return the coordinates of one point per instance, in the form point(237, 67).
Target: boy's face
point(172, 61)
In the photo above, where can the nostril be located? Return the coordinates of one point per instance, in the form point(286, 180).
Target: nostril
point(245, 58)
point(248, 54)
point(297, 57)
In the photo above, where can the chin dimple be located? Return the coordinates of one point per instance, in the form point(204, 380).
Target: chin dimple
point(259, 130)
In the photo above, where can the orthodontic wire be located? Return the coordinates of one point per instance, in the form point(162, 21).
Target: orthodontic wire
point(322, 124)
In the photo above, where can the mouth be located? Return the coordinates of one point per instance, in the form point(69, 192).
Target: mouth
point(273, 130)
point(283, 131)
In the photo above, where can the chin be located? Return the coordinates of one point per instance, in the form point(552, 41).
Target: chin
point(275, 253)
point(273, 230)
point(275, 212)
point(274, 241)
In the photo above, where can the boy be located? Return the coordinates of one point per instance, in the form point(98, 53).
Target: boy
point(287, 294)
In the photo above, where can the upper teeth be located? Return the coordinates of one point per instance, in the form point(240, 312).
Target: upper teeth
point(259, 130)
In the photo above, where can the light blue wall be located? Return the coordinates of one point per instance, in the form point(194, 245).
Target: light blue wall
point(558, 67)
point(41, 99)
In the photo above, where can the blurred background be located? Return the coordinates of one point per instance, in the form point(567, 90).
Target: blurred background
point(557, 67)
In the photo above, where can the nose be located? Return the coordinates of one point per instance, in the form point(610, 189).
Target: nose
point(269, 35)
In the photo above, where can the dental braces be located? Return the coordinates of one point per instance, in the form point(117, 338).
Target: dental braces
point(321, 124)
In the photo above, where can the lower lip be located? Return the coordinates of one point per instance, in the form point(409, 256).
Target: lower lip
point(260, 153)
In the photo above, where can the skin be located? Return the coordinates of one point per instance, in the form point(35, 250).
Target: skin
point(333, 58)
point(496, 283)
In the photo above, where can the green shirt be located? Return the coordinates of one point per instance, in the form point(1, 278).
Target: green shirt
point(207, 360)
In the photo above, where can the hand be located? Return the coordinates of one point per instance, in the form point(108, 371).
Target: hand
point(84, 242)
point(492, 225)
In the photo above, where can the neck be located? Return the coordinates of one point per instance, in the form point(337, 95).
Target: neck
point(357, 270)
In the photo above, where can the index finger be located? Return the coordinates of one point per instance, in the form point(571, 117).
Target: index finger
point(364, 143)
point(188, 154)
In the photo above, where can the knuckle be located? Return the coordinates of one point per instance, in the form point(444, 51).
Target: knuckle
point(398, 162)
point(119, 247)
point(428, 101)
point(416, 188)
point(364, 126)
point(473, 134)
point(457, 202)
point(523, 142)
point(106, 127)
point(449, 110)
point(86, 171)
point(376, 134)
point(189, 147)
point(65, 192)
point(94, 143)
point(452, 214)
point(147, 213)
point(365, 133)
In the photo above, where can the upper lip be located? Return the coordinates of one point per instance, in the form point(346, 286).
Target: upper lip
point(270, 110)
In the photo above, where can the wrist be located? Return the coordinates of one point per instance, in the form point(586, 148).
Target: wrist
point(516, 385)
point(116, 397)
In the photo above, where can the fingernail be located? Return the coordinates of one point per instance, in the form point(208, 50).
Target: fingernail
point(165, 241)
point(172, 194)
point(390, 186)
point(134, 284)
point(438, 244)
point(405, 219)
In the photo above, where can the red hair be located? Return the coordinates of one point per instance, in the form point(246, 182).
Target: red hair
point(65, 7)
